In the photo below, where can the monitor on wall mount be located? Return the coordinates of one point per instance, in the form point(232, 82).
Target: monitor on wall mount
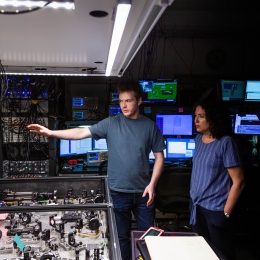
point(252, 92)
point(159, 91)
point(174, 124)
point(247, 124)
point(232, 90)
point(180, 148)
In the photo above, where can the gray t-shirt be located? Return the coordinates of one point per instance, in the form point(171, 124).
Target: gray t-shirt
point(129, 143)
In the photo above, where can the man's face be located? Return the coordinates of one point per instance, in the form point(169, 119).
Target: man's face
point(129, 105)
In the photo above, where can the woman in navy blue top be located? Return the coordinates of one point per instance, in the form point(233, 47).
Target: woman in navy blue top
point(217, 179)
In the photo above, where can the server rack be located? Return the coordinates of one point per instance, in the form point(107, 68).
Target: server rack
point(25, 100)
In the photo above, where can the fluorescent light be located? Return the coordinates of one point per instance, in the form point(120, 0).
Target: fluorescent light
point(22, 6)
point(22, 3)
point(47, 74)
point(61, 5)
point(122, 13)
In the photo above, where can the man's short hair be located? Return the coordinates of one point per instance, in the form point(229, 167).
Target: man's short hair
point(127, 85)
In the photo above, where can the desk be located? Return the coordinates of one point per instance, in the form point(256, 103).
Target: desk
point(136, 234)
point(77, 170)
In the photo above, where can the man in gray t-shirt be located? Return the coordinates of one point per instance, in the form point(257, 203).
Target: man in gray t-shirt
point(130, 137)
point(129, 143)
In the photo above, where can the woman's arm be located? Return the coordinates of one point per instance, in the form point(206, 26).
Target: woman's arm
point(237, 176)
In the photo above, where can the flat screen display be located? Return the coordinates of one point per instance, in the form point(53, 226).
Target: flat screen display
point(233, 119)
point(233, 90)
point(78, 102)
point(78, 114)
point(75, 147)
point(159, 91)
point(252, 91)
point(114, 97)
point(247, 124)
point(174, 124)
point(100, 144)
point(180, 148)
point(114, 110)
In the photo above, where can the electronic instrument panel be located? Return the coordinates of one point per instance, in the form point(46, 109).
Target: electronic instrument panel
point(73, 222)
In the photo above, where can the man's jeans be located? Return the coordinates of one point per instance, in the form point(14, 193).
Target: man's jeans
point(124, 205)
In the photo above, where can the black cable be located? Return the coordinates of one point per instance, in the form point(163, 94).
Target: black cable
point(160, 73)
point(150, 57)
point(22, 104)
point(3, 82)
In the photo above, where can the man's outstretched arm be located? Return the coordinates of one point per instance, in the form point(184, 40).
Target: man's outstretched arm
point(69, 134)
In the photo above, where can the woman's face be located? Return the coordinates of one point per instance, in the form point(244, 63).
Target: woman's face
point(201, 123)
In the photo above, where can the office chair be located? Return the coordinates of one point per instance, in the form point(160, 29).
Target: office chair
point(173, 194)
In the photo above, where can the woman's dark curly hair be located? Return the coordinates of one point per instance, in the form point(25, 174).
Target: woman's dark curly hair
point(127, 85)
point(218, 116)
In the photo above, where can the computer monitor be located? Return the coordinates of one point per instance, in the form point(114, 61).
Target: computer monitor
point(174, 124)
point(232, 90)
point(252, 92)
point(78, 114)
point(114, 96)
point(159, 91)
point(78, 102)
point(100, 144)
point(180, 148)
point(247, 124)
point(114, 110)
point(233, 119)
point(75, 147)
